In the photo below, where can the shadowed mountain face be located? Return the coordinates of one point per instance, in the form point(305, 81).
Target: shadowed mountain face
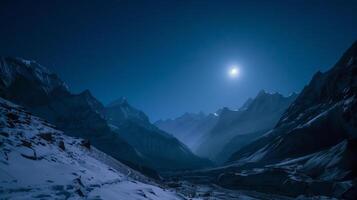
point(189, 128)
point(281, 145)
point(311, 151)
point(161, 149)
point(323, 115)
point(313, 147)
point(43, 93)
point(51, 165)
point(234, 129)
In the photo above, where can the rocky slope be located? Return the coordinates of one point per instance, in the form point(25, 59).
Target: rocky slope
point(322, 116)
point(37, 161)
point(234, 129)
point(81, 115)
point(313, 147)
point(33, 86)
point(40, 162)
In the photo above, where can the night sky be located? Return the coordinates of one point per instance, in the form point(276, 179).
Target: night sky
point(169, 57)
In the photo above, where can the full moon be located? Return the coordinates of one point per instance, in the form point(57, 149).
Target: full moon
point(233, 71)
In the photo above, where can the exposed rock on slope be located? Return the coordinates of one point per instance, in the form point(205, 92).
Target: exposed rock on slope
point(39, 162)
point(43, 93)
point(33, 86)
point(313, 146)
point(322, 116)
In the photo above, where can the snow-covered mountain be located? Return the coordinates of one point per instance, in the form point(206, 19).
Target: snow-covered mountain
point(235, 129)
point(28, 82)
point(322, 116)
point(119, 130)
point(189, 128)
point(42, 92)
point(312, 149)
point(162, 150)
point(120, 111)
point(38, 161)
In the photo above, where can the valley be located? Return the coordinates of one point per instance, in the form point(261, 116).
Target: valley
point(56, 144)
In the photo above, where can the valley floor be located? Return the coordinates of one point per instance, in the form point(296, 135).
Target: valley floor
point(194, 191)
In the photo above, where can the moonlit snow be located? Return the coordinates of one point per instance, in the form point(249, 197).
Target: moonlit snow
point(39, 162)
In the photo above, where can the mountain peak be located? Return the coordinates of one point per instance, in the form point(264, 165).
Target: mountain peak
point(118, 102)
point(293, 94)
point(189, 115)
point(87, 93)
point(12, 69)
point(327, 88)
point(349, 58)
point(264, 93)
point(121, 111)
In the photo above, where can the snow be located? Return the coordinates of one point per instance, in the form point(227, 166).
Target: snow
point(348, 103)
point(314, 119)
point(256, 156)
point(113, 127)
point(328, 159)
point(320, 116)
point(10, 71)
point(26, 62)
point(131, 190)
point(33, 166)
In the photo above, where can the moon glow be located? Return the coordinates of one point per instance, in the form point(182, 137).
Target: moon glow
point(233, 71)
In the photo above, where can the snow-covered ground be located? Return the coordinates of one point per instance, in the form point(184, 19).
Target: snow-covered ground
point(40, 162)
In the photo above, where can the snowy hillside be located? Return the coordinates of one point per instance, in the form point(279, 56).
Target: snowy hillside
point(119, 129)
point(39, 162)
point(42, 92)
point(11, 68)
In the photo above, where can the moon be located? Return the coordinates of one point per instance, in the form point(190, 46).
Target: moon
point(233, 71)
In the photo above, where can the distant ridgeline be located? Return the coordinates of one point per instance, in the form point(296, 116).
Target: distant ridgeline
point(310, 151)
point(218, 135)
point(37, 161)
point(118, 129)
point(302, 144)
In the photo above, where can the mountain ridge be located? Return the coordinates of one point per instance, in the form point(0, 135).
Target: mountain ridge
point(39, 161)
point(313, 143)
point(254, 118)
point(134, 126)
point(82, 115)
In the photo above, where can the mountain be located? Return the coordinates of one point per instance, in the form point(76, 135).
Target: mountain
point(33, 86)
point(81, 115)
point(189, 128)
point(163, 151)
point(312, 149)
point(40, 162)
point(322, 116)
point(234, 129)
point(120, 110)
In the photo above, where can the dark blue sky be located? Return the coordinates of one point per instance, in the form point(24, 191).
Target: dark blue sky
point(169, 57)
